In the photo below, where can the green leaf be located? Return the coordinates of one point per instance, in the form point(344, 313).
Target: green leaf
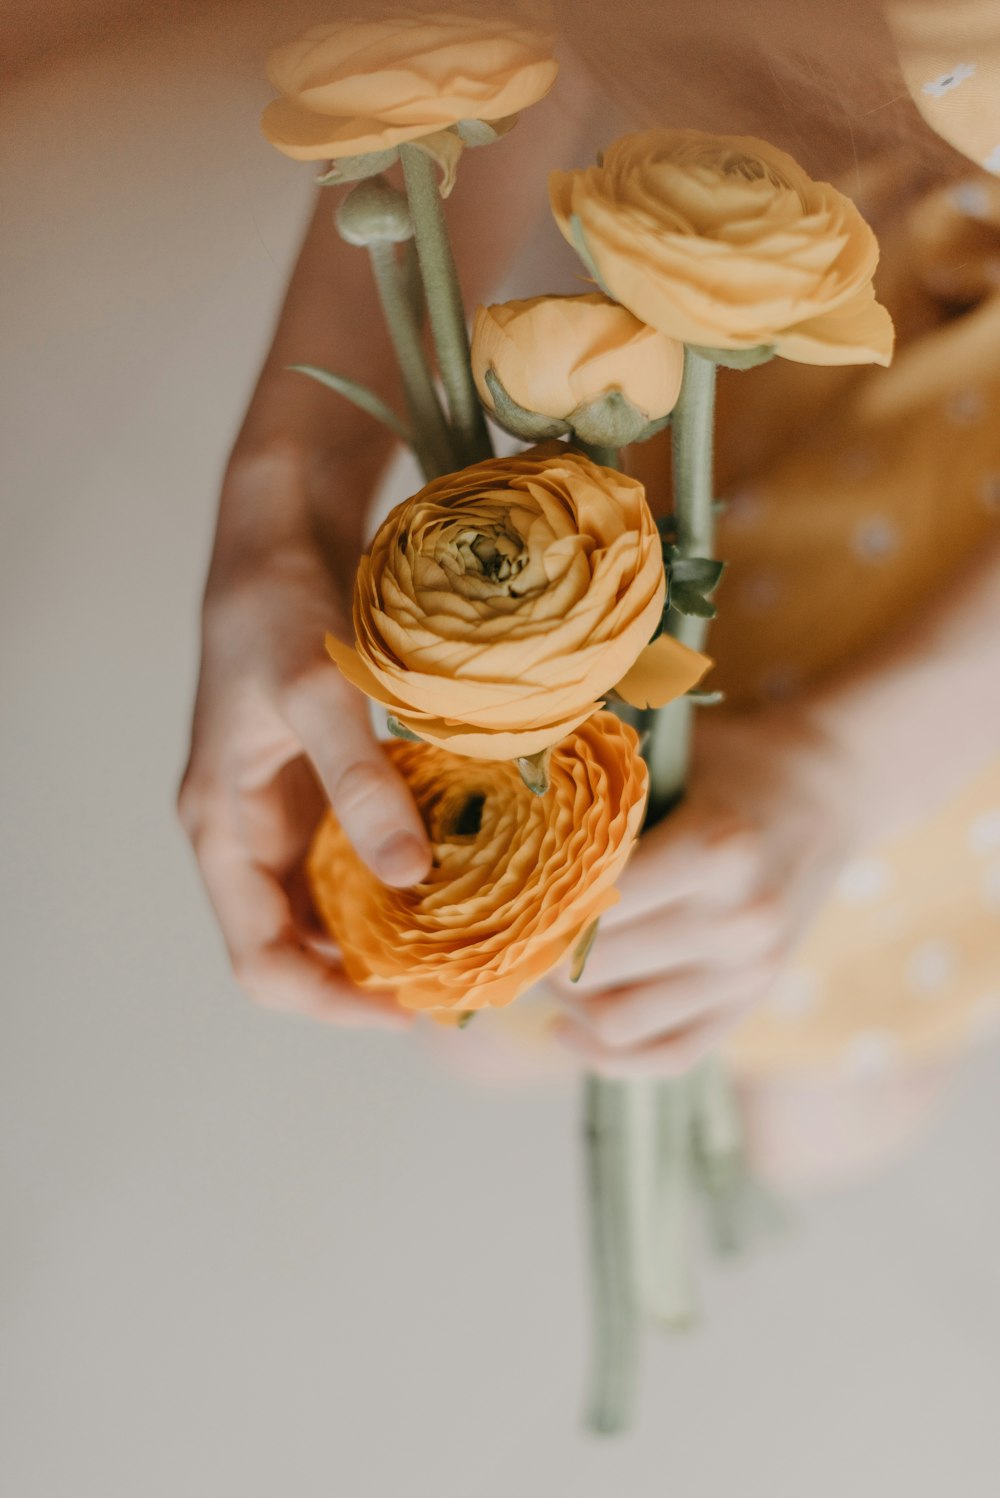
point(700, 573)
point(359, 395)
point(528, 425)
point(580, 245)
point(534, 771)
point(356, 168)
point(400, 731)
point(580, 953)
point(737, 358)
point(690, 602)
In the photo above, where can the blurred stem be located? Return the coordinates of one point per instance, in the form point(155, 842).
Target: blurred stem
point(669, 1281)
point(432, 439)
point(444, 305)
point(615, 1327)
point(718, 1149)
point(671, 1291)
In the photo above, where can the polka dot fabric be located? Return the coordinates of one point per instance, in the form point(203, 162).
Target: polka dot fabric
point(950, 57)
point(853, 497)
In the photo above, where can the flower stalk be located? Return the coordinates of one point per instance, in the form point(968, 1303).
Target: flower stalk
point(432, 441)
point(444, 305)
point(685, 1108)
point(616, 1320)
point(693, 429)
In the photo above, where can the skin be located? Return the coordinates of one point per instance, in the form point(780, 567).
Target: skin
point(714, 900)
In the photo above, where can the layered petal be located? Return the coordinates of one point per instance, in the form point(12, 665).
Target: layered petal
point(724, 242)
point(516, 878)
point(554, 354)
point(353, 87)
point(499, 605)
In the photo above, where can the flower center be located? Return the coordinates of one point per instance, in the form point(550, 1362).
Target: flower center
point(751, 169)
point(470, 817)
point(495, 554)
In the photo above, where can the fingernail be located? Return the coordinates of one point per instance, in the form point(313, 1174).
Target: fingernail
point(402, 860)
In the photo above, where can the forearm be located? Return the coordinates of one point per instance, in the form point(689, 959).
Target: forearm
point(922, 715)
point(321, 455)
point(303, 456)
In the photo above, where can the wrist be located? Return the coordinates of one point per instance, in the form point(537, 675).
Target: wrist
point(821, 760)
point(878, 756)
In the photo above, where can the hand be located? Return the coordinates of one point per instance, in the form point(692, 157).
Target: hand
point(715, 899)
point(277, 734)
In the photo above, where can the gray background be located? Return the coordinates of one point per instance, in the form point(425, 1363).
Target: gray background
point(243, 1255)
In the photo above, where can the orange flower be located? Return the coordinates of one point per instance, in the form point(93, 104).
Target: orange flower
point(562, 356)
point(499, 604)
point(724, 242)
point(351, 88)
point(516, 879)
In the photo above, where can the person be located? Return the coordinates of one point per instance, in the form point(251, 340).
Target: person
point(826, 896)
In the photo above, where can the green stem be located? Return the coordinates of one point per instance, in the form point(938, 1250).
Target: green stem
point(618, 1137)
point(607, 457)
point(718, 1144)
point(671, 1292)
point(615, 1323)
point(432, 439)
point(444, 304)
point(692, 432)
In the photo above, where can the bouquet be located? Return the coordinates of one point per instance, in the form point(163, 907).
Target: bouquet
point(535, 638)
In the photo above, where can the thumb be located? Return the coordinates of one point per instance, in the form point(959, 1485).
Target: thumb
point(369, 796)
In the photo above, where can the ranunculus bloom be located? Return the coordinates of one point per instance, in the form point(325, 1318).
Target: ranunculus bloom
point(516, 878)
point(350, 88)
point(554, 354)
point(723, 241)
point(500, 603)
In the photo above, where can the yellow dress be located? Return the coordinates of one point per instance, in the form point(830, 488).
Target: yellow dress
point(835, 528)
point(835, 482)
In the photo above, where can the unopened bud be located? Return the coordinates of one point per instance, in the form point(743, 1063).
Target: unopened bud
point(374, 213)
point(612, 421)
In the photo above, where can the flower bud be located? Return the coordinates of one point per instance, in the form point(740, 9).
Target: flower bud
point(374, 213)
point(582, 364)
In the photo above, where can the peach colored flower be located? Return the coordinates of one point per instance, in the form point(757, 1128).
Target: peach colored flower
point(516, 878)
point(351, 88)
point(724, 242)
point(559, 355)
point(499, 604)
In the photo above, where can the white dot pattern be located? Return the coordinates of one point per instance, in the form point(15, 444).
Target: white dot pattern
point(876, 539)
point(984, 832)
point(865, 881)
point(796, 993)
point(930, 967)
point(870, 1055)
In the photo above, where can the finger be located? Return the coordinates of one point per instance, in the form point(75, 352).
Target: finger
point(674, 939)
point(672, 1057)
point(269, 958)
point(369, 796)
point(637, 1015)
point(296, 980)
point(691, 854)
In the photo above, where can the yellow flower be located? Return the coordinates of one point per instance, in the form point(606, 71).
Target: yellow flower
point(351, 88)
point(499, 604)
point(516, 878)
point(724, 242)
point(561, 356)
